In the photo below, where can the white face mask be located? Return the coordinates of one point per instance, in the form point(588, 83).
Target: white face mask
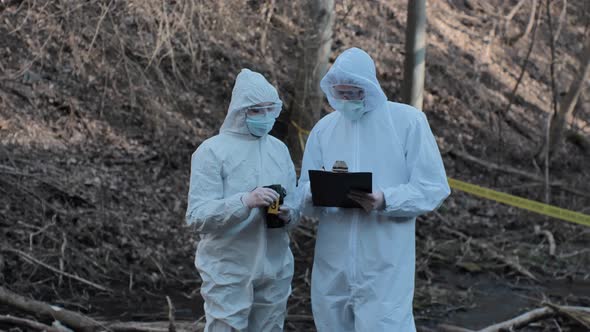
point(350, 109)
point(260, 126)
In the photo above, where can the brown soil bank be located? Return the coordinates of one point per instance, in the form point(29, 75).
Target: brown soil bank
point(103, 102)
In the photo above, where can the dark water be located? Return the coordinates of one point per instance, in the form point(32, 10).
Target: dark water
point(496, 300)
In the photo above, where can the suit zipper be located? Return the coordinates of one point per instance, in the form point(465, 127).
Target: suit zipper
point(354, 227)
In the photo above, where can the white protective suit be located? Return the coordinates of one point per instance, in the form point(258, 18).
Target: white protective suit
point(363, 272)
point(246, 267)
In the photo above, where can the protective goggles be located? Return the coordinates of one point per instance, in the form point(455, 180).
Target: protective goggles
point(272, 110)
point(347, 92)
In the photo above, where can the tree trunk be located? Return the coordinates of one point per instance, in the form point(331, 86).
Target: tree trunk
point(414, 64)
point(559, 122)
point(305, 110)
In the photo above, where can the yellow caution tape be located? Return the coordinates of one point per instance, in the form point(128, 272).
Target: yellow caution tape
point(300, 133)
point(301, 141)
point(299, 129)
point(523, 203)
point(519, 202)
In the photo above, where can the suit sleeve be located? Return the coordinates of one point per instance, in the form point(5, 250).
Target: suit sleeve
point(427, 186)
point(207, 209)
point(292, 199)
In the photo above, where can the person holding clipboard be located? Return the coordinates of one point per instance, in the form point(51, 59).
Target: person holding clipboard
point(363, 271)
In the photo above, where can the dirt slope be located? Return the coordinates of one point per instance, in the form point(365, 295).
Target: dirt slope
point(102, 104)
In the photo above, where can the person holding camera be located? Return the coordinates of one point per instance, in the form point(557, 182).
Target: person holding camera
point(241, 200)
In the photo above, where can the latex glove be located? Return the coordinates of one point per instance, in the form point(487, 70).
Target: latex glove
point(260, 197)
point(285, 213)
point(369, 202)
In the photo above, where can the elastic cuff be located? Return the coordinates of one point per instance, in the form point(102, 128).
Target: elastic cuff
point(236, 200)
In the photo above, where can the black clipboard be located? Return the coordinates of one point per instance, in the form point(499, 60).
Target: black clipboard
point(331, 189)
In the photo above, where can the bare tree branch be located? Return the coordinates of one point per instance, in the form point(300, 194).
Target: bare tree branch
point(522, 320)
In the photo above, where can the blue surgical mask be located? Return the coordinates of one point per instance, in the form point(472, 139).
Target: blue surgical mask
point(350, 109)
point(260, 125)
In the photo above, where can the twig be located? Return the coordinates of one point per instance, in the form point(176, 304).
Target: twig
point(551, 116)
point(171, 310)
point(512, 40)
point(304, 233)
point(549, 237)
point(520, 77)
point(575, 253)
point(292, 326)
point(153, 327)
point(522, 320)
point(62, 258)
point(299, 318)
point(131, 282)
point(561, 19)
point(32, 235)
point(511, 14)
point(75, 277)
point(579, 314)
point(158, 266)
point(268, 13)
point(488, 248)
point(98, 25)
point(452, 328)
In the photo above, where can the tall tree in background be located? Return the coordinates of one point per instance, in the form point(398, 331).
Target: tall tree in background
point(414, 64)
point(559, 121)
point(313, 64)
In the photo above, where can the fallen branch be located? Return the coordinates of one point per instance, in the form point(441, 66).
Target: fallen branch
point(508, 169)
point(488, 248)
point(80, 322)
point(154, 327)
point(522, 320)
point(579, 314)
point(506, 260)
point(487, 164)
point(452, 328)
point(49, 267)
point(69, 318)
point(27, 323)
point(519, 126)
